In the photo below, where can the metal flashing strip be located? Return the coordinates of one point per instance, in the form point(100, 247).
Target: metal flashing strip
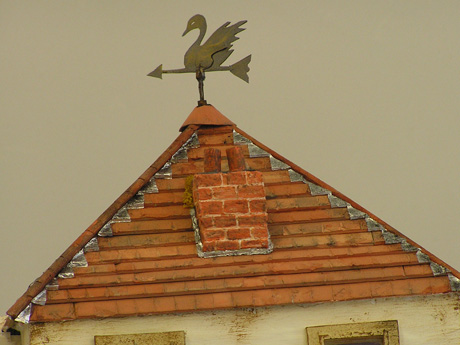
point(91, 246)
point(24, 316)
point(52, 285)
point(136, 202)
point(317, 190)
point(336, 202)
point(277, 164)
point(106, 231)
point(66, 272)
point(355, 213)
point(256, 151)
point(294, 176)
point(40, 299)
point(150, 187)
point(454, 282)
point(78, 260)
point(238, 139)
point(122, 215)
point(165, 172)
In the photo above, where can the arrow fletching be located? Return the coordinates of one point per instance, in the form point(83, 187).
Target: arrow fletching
point(241, 68)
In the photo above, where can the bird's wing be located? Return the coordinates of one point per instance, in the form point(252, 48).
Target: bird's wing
point(221, 40)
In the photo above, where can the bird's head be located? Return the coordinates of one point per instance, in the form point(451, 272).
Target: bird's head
point(196, 22)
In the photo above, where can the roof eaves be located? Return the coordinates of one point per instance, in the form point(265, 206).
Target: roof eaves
point(39, 284)
point(308, 176)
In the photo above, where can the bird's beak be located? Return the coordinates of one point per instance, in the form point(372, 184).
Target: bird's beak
point(186, 32)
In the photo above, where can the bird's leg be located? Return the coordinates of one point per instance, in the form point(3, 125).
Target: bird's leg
point(201, 77)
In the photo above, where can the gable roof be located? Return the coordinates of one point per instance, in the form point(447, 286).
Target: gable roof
point(140, 256)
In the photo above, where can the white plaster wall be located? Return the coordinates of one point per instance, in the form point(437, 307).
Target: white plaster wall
point(426, 320)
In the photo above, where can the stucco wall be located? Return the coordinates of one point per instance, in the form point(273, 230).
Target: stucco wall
point(422, 320)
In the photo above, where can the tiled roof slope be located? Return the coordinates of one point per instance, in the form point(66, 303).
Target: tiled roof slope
point(145, 260)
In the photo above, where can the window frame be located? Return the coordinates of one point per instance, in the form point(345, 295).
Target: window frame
point(387, 330)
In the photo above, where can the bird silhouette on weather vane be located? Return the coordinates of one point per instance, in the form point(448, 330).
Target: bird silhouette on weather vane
point(209, 56)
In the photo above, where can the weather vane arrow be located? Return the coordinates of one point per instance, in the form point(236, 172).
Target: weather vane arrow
point(210, 56)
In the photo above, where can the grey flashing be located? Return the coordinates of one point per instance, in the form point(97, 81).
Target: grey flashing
point(317, 190)
point(106, 231)
point(277, 164)
point(181, 154)
point(91, 246)
point(136, 202)
point(355, 213)
point(256, 151)
point(373, 225)
point(407, 247)
point(238, 139)
point(78, 260)
point(52, 285)
point(40, 299)
point(294, 176)
point(149, 187)
point(66, 273)
point(24, 316)
point(438, 269)
point(122, 215)
point(454, 282)
point(391, 238)
point(336, 202)
point(165, 172)
point(422, 257)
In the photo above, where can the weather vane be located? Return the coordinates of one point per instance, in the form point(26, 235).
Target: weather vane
point(208, 57)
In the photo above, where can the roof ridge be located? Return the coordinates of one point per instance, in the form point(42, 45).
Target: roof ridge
point(40, 283)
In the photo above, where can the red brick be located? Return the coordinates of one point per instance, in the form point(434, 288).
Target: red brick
point(236, 206)
point(257, 206)
point(224, 221)
point(223, 300)
point(227, 245)
point(212, 235)
point(206, 222)
point(181, 169)
point(209, 207)
point(261, 232)
point(207, 180)
point(286, 189)
point(236, 178)
point(251, 220)
point(209, 246)
point(160, 212)
point(238, 233)
point(185, 303)
point(254, 177)
point(246, 191)
point(204, 302)
point(53, 312)
point(224, 193)
point(202, 194)
point(164, 304)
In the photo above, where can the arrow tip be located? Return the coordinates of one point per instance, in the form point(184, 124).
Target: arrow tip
point(157, 73)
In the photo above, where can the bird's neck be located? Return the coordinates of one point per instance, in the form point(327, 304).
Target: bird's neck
point(201, 35)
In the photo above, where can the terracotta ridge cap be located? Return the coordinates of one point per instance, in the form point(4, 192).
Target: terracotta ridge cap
point(206, 115)
point(40, 283)
point(335, 192)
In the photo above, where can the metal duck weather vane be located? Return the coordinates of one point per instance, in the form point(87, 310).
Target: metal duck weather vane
point(209, 56)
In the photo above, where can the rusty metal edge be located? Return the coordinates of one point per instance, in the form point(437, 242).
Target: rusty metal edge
point(335, 192)
point(39, 284)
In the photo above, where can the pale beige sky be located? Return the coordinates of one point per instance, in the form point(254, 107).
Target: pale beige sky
point(362, 94)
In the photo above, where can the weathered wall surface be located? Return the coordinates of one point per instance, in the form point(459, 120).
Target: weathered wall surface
point(423, 320)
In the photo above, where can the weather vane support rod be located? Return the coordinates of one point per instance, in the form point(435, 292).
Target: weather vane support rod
point(208, 57)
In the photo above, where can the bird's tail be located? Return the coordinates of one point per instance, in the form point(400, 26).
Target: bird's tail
point(241, 68)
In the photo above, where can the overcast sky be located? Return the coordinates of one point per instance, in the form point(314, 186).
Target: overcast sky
point(362, 94)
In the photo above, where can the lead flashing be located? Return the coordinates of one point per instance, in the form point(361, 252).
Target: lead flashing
point(277, 164)
point(91, 246)
point(24, 316)
point(40, 299)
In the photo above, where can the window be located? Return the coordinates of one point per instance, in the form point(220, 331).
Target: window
point(366, 333)
point(163, 338)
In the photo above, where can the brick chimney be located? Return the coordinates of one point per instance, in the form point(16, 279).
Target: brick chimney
point(230, 207)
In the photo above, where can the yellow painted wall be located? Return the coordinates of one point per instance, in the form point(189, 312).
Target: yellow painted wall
point(425, 320)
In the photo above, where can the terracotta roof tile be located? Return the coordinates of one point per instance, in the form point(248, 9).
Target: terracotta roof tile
point(147, 261)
